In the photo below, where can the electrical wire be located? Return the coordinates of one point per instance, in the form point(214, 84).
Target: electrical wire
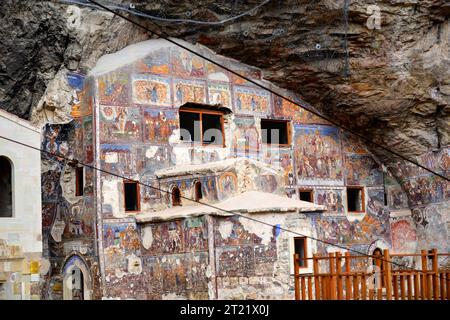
point(145, 15)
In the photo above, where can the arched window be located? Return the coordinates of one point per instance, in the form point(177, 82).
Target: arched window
point(198, 191)
point(176, 196)
point(6, 196)
point(377, 261)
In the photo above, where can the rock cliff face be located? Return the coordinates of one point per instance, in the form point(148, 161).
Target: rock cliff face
point(381, 67)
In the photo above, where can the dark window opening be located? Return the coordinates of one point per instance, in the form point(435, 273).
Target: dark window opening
point(355, 199)
point(6, 202)
point(131, 196)
point(212, 129)
point(300, 249)
point(176, 196)
point(190, 122)
point(306, 195)
point(79, 171)
point(275, 132)
point(198, 191)
point(201, 126)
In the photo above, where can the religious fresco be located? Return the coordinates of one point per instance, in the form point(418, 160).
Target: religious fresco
point(362, 170)
point(235, 261)
point(159, 125)
point(245, 136)
point(404, 237)
point(120, 159)
point(265, 258)
point(229, 231)
point(119, 240)
point(219, 94)
point(156, 158)
point(397, 198)
point(268, 183)
point(156, 63)
point(82, 98)
point(288, 110)
point(120, 123)
point(151, 89)
point(248, 100)
point(174, 237)
point(113, 88)
point(150, 189)
point(375, 203)
point(216, 73)
point(317, 154)
point(227, 183)
point(333, 199)
point(340, 230)
point(351, 144)
point(189, 91)
point(281, 159)
point(426, 189)
point(185, 64)
point(246, 71)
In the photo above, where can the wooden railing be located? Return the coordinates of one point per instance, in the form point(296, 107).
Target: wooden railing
point(381, 277)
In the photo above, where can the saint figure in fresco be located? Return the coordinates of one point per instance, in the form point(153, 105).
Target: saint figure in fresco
point(121, 118)
point(179, 93)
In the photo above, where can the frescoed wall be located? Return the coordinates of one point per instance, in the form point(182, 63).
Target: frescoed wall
point(129, 125)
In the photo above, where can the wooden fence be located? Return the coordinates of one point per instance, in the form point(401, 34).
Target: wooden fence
point(380, 279)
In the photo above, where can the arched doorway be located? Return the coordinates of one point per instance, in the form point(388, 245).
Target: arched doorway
point(6, 188)
point(176, 196)
point(198, 195)
point(77, 279)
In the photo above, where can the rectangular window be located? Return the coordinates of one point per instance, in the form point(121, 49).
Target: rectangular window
point(275, 132)
point(306, 195)
point(300, 249)
point(355, 199)
point(79, 171)
point(131, 192)
point(202, 126)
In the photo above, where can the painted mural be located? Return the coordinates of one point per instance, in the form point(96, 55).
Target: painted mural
point(245, 137)
point(151, 89)
point(362, 170)
point(120, 123)
point(219, 94)
point(248, 100)
point(185, 64)
point(288, 110)
point(333, 199)
point(318, 154)
point(189, 91)
point(113, 88)
point(156, 63)
point(159, 125)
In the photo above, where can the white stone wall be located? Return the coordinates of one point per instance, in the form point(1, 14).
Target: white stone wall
point(24, 228)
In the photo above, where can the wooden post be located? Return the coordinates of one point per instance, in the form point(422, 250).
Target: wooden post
point(416, 286)
point(442, 285)
point(316, 278)
point(447, 278)
point(435, 274)
point(332, 277)
point(395, 286)
point(340, 292)
point(310, 290)
point(409, 286)
point(296, 275)
point(387, 274)
point(303, 286)
point(424, 255)
point(348, 288)
point(402, 286)
point(364, 287)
